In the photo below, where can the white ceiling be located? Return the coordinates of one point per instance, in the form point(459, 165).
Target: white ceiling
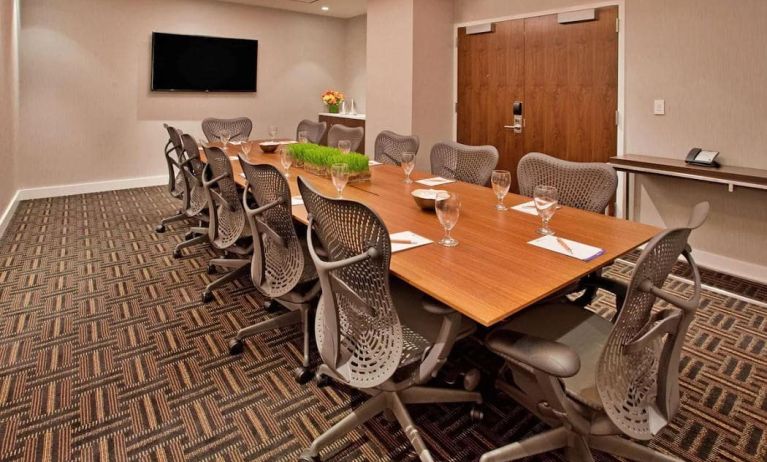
point(338, 8)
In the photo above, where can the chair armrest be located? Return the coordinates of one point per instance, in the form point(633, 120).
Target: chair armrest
point(435, 306)
point(553, 358)
point(617, 288)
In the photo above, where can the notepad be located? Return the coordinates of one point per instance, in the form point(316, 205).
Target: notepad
point(373, 163)
point(296, 200)
point(407, 240)
point(567, 247)
point(527, 207)
point(436, 181)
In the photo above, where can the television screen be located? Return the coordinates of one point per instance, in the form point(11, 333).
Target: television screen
point(194, 63)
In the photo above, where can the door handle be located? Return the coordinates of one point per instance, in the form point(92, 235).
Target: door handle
point(517, 124)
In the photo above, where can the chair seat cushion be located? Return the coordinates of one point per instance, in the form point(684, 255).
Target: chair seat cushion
point(582, 330)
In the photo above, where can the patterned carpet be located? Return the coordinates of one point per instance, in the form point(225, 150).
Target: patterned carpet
point(106, 353)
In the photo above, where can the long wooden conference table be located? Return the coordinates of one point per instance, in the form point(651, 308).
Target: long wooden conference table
point(493, 272)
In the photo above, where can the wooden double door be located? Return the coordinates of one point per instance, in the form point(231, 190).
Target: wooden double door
point(564, 75)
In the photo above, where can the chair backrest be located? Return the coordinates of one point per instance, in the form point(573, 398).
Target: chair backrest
point(340, 132)
point(278, 259)
point(389, 147)
point(472, 164)
point(637, 372)
point(227, 218)
point(584, 185)
point(239, 128)
point(357, 326)
point(174, 155)
point(314, 130)
point(193, 170)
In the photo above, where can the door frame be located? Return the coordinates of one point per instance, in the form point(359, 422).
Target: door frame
point(621, 134)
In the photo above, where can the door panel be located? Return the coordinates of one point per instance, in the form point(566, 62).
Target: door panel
point(566, 75)
point(490, 79)
point(571, 86)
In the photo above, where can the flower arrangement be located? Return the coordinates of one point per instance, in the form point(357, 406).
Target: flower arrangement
point(333, 99)
point(318, 159)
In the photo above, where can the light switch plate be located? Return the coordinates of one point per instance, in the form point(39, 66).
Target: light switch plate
point(659, 107)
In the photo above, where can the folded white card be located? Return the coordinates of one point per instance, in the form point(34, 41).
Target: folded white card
point(527, 207)
point(234, 158)
point(436, 181)
point(296, 200)
point(372, 162)
point(567, 247)
point(406, 240)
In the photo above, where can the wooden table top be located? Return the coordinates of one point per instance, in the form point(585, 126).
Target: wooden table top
point(493, 272)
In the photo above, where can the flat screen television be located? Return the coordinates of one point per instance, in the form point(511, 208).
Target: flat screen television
point(196, 63)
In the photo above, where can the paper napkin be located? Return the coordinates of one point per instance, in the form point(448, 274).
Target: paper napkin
point(436, 181)
point(296, 200)
point(408, 240)
point(234, 158)
point(372, 162)
point(527, 207)
point(567, 247)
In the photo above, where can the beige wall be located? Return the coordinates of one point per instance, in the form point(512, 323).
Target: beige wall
point(389, 102)
point(707, 59)
point(432, 67)
point(8, 99)
point(87, 113)
point(355, 67)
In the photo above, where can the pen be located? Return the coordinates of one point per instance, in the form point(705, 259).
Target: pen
point(564, 245)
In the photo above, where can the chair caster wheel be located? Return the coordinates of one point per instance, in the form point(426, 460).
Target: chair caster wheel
point(271, 307)
point(322, 380)
point(476, 414)
point(176, 253)
point(188, 236)
point(303, 375)
point(471, 379)
point(211, 269)
point(236, 347)
point(159, 229)
point(207, 297)
point(308, 457)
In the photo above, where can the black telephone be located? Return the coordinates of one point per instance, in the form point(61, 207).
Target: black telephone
point(702, 158)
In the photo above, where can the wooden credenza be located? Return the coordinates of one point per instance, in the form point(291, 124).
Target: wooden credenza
point(357, 120)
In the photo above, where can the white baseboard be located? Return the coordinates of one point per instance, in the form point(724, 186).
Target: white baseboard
point(727, 265)
point(85, 188)
point(5, 218)
point(71, 189)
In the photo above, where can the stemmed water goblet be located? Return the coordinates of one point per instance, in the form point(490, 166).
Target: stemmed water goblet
point(407, 161)
point(546, 199)
point(272, 132)
point(501, 180)
point(303, 137)
point(286, 159)
point(345, 146)
point(448, 207)
point(340, 176)
point(224, 136)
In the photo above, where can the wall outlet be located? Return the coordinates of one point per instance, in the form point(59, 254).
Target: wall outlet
point(659, 107)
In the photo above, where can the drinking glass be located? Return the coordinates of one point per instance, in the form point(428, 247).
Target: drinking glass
point(286, 159)
point(501, 180)
point(245, 146)
point(272, 132)
point(303, 137)
point(408, 164)
point(340, 175)
point(224, 136)
point(545, 198)
point(345, 146)
point(448, 209)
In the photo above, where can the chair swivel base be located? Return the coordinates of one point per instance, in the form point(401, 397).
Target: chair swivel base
point(392, 403)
